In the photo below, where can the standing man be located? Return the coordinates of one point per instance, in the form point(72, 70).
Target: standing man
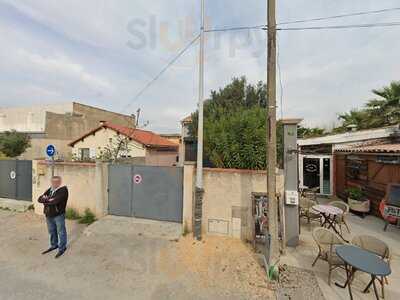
point(55, 201)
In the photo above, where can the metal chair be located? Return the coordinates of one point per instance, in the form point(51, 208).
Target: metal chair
point(305, 206)
point(341, 219)
point(376, 246)
point(327, 241)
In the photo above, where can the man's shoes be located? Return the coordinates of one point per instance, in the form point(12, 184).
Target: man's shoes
point(49, 250)
point(59, 253)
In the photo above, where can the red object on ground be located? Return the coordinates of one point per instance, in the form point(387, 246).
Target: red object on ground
point(391, 220)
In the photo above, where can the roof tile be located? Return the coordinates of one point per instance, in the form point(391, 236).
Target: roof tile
point(147, 138)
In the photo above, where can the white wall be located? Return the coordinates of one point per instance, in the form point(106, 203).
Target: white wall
point(98, 141)
point(29, 119)
point(227, 199)
point(86, 182)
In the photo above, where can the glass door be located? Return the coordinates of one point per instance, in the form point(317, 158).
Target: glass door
point(326, 176)
point(316, 173)
point(311, 173)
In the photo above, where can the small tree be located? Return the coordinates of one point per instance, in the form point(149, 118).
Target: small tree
point(116, 149)
point(235, 126)
point(13, 143)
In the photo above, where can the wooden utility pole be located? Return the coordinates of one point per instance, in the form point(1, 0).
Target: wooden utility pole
point(271, 134)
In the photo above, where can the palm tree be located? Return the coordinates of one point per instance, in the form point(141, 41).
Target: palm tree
point(389, 104)
point(382, 111)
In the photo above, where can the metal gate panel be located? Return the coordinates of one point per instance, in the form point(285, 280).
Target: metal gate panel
point(24, 180)
point(8, 185)
point(159, 194)
point(120, 190)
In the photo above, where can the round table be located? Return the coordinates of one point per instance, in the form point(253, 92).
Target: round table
point(329, 212)
point(362, 260)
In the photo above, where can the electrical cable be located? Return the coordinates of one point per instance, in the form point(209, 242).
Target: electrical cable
point(163, 70)
point(391, 24)
point(341, 16)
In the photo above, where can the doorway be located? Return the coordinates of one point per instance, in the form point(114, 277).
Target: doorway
point(316, 172)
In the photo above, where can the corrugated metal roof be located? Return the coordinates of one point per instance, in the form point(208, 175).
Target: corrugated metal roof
point(350, 137)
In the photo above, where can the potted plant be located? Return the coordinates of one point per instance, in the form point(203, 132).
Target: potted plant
point(357, 201)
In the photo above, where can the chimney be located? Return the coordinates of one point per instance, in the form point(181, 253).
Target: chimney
point(352, 127)
point(102, 123)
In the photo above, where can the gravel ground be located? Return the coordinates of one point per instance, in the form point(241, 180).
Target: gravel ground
point(298, 284)
point(122, 258)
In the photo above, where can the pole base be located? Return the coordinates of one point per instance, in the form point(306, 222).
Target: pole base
point(198, 212)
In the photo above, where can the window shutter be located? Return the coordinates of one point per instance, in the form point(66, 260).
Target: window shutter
point(92, 153)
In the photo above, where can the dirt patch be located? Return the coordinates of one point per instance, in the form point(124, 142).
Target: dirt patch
point(298, 284)
point(218, 262)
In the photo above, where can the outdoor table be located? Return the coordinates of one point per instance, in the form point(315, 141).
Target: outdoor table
point(329, 212)
point(357, 259)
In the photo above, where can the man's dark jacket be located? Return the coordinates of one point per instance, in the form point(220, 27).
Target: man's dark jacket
point(56, 203)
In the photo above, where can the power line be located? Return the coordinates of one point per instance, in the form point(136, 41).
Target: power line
point(341, 16)
point(391, 24)
point(264, 27)
point(163, 70)
point(236, 28)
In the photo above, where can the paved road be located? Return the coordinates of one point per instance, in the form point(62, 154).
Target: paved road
point(123, 258)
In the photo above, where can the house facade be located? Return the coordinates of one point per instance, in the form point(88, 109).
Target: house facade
point(57, 124)
point(317, 159)
point(142, 146)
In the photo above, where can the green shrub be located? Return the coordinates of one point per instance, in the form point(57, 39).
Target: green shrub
point(88, 217)
point(355, 193)
point(72, 214)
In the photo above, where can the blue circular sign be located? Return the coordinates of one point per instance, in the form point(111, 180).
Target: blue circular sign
point(50, 150)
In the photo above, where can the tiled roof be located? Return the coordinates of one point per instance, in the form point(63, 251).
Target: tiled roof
point(147, 138)
point(384, 148)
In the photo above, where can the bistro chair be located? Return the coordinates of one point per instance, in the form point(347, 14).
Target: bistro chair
point(327, 241)
point(306, 210)
point(341, 219)
point(376, 246)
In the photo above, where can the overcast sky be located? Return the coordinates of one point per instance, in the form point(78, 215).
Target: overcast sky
point(102, 53)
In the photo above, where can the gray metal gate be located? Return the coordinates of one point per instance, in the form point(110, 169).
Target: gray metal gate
point(146, 192)
point(16, 179)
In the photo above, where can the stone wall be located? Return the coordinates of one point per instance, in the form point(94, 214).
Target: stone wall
point(87, 184)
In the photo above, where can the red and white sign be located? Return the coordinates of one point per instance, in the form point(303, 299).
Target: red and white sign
point(137, 179)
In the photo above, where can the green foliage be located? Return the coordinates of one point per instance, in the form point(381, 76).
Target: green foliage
point(88, 217)
point(72, 214)
point(355, 193)
point(273, 273)
point(13, 144)
point(235, 126)
point(303, 132)
point(383, 111)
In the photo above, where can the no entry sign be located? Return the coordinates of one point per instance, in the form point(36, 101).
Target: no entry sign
point(137, 179)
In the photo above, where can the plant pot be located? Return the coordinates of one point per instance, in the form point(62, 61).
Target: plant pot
point(359, 206)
